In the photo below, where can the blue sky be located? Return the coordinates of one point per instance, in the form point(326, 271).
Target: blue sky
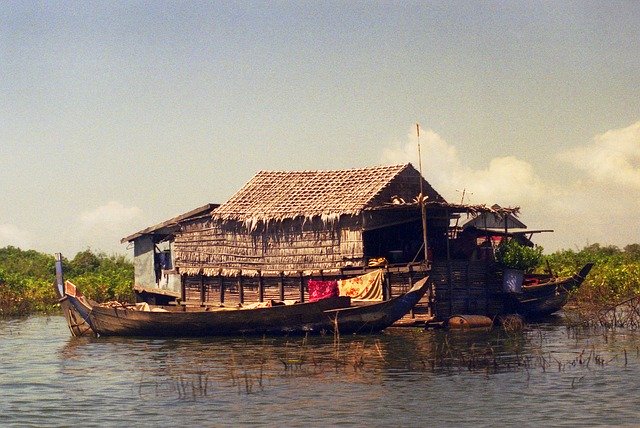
point(118, 115)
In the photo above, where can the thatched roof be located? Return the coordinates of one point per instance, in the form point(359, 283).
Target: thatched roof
point(280, 195)
point(472, 210)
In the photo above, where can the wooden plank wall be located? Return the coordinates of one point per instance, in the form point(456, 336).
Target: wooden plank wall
point(204, 290)
point(241, 289)
point(473, 288)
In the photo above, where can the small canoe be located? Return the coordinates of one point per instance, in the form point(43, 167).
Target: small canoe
point(545, 296)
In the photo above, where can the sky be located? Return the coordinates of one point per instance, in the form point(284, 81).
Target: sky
point(115, 116)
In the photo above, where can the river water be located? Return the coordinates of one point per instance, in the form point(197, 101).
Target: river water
point(546, 374)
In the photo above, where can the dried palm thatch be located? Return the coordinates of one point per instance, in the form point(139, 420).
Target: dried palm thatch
point(274, 196)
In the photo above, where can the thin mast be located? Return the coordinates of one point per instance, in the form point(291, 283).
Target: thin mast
point(59, 275)
point(423, 206)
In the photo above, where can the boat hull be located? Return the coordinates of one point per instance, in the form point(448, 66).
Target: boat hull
point(296, 318)
point(325, 316)
point(78, 322)
point(545, 298)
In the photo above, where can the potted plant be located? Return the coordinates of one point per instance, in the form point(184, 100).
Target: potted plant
point(517, 259)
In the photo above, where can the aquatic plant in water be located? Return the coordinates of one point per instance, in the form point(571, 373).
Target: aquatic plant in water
point(610, 295)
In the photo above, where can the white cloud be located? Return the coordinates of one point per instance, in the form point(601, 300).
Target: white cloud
point(599, 206)
point(612, 157)
point(591, 207)
point(110, 217)
point(13, 235)
point(506, 180)
point(101, 228)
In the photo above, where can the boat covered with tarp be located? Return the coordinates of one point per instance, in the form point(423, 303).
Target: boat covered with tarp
point(542, 295)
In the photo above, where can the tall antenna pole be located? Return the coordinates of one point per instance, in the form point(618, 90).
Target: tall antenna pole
point(423, 202)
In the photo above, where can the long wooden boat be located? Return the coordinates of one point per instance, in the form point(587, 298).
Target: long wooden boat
point(545, 295)
point(336, 314)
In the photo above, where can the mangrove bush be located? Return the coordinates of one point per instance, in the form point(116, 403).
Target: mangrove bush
point(615, 276)
point(27, 277)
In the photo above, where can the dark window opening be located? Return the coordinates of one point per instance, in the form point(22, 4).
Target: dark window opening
point(401, 243)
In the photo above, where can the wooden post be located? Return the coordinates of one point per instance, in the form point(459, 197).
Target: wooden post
point(411, 312)
point(449, 274)
point(260, 287)
point(301, 287)
point(281, 286)
point(59, 275)
point(432, 304)
point(450, 289)
point(183, 286)
point(221, 282)
point(387, 281)
point(202, 293)
point(240, 287)
point(486, 270)
point(449, 238)
point(506, 226)
point(423, 201)
point(467, 300)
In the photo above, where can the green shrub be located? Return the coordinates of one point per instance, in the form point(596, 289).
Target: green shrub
point(614, 277)
point(513, 255)
point(27, 277)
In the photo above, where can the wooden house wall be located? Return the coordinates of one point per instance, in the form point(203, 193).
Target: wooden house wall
point(205, 290)
point(474, 288)
point(297, 246)
point(276, 265)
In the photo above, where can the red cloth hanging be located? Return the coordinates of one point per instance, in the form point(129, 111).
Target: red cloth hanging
point(322, 289)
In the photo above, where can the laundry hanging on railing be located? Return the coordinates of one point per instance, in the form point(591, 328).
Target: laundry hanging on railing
point(322, 289)
point(365, 287)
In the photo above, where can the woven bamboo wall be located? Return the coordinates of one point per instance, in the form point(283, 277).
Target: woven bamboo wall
point(212, 247)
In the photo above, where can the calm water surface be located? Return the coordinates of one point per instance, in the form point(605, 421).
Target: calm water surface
point(546, 374)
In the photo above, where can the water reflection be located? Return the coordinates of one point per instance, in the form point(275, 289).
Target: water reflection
point(402, 377)
point(197, 368)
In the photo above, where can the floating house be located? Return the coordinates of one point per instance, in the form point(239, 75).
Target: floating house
point(314, 222)
point(156, 278)
point(285, 228)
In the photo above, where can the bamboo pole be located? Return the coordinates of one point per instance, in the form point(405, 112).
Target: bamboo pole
point(423, 207)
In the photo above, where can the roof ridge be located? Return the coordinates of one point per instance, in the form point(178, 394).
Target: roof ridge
point(389, 181)
point(364, 168)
